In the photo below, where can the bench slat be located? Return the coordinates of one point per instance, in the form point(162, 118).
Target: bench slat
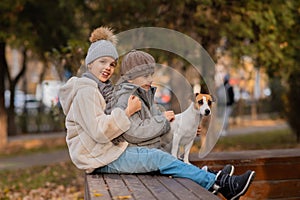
point(156, 188)
point(138, 189)
point(175, 186)
point(96, 187)
point(116, 186)
point(200, 192)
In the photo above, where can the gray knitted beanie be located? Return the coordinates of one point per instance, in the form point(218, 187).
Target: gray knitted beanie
point(137, 63)
point(103, 43)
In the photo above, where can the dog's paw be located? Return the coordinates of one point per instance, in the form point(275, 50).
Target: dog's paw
point(187, 162)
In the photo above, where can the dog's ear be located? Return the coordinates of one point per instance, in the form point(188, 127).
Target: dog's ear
point(213, 98)
point(196, 94)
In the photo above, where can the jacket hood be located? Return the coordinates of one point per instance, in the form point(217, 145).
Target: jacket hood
point(69, 90)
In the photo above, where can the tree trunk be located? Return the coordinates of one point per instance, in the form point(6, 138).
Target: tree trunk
point(3, 128)
point(3, 115)
point(44, 69)
point(12, 129)
point(11, 125)
point(254, 109)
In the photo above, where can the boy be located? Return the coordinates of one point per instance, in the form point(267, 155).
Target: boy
point(149, 124)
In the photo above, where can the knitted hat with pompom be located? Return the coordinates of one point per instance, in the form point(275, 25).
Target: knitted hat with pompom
point(103, 43)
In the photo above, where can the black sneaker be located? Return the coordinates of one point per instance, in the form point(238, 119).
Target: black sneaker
point(228, 169)
point(232, 187)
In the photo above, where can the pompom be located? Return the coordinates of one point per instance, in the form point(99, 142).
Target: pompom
point(103, 33)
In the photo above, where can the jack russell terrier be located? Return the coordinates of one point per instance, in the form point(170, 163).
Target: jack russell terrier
point(184, 127)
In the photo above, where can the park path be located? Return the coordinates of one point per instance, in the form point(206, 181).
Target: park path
point(35, 159)
point(252, 126)
point(62, 155)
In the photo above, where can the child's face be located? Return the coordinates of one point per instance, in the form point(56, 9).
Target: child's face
point(144, 82)
point(103, 68)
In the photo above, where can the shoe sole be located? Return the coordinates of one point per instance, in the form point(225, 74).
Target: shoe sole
point(250, 179)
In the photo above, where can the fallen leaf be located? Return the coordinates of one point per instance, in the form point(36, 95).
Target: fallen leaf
point(98, 194)
point(122, 197)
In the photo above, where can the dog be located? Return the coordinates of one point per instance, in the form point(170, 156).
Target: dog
point(184, 127)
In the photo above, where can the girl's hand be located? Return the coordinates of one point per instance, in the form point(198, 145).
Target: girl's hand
point(169, 115)
point(134, 104)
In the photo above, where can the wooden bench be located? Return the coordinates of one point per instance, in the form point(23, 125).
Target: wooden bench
point(142, 186)
point(277, 171)
point(277, 177)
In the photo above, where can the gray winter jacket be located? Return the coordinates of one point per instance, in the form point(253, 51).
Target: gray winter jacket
point(148, 124)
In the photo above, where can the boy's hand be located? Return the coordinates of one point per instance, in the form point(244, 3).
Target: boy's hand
point(134, 104)
point(169, 115)
point(199, 130)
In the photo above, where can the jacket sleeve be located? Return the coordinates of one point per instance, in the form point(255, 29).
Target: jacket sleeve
point(89, 113)
point(143, 129)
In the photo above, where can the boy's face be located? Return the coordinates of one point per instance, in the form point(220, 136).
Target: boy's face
point(103, 68)
point(144, 82)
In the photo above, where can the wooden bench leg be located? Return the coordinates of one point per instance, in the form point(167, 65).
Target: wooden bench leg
point(86, 188)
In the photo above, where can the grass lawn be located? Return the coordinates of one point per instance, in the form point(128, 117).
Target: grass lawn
point(281, 139)
point(64, 181)
point(11, 152)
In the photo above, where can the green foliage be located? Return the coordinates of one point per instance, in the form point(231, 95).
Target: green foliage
point(253, 28)
point(258, 30)
point(50, 24)
point(8, 18)
point(68, 58)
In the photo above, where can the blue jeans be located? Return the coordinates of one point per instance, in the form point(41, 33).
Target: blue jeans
point(143, 160)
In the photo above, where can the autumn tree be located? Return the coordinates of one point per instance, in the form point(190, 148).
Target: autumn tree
point(36, 25)
point(7, 19)
point(259, 29)
point(269, 35)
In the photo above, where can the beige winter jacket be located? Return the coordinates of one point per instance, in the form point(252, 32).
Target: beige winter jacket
point(89, 130)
